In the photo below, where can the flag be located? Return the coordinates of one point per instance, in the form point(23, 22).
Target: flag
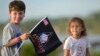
point(44, 38)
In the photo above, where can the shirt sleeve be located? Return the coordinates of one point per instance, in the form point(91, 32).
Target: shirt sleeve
point(67, 44)
point(8, 33)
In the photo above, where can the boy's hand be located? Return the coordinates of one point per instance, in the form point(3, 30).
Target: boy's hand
point(25, 36)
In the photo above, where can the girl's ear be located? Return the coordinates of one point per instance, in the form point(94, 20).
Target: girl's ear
point(82, 29)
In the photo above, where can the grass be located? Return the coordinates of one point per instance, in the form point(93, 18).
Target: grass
point(95, 53)
point(28, 50)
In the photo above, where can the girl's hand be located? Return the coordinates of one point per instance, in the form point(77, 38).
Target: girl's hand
point(25, 36)
point(66, 52)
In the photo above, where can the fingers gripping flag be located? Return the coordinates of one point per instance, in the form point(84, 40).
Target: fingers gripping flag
point(44, 38)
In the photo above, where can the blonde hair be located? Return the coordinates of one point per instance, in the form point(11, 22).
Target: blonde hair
point(81, 22)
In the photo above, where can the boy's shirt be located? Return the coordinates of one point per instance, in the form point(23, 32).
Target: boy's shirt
point(10, 31)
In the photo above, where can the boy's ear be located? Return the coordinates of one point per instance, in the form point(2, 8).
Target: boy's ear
point(24, 15)
point(9, 12)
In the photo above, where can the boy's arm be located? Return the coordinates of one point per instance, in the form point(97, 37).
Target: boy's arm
point(66, 52)
point(15, 40)
point(87, 52)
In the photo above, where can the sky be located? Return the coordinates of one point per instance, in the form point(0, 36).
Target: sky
point(53, 8)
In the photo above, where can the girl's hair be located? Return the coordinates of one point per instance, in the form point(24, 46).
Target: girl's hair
point(81, 22)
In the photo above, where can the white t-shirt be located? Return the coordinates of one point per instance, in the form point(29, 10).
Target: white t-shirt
point(10, 31)
point(77, 47)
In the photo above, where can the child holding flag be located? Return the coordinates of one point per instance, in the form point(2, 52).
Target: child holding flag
point(12, 35)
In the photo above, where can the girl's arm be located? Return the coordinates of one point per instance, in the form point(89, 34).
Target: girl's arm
point(87, 52)
point(66, 52)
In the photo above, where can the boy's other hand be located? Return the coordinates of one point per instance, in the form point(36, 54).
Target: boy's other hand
point(25, 36)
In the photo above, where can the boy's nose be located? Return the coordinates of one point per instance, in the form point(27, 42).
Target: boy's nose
point(18, 15)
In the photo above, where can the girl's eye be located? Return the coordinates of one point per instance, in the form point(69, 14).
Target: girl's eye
point(72, 26)
point(77, 26)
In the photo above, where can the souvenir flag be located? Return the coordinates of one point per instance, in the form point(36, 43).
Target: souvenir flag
point(44, 38)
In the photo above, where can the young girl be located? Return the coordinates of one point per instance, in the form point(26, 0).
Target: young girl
point(77, 43)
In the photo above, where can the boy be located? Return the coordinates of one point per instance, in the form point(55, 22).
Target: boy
point(12, 36)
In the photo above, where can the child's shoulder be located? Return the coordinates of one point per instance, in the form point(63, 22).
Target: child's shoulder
point(69, 38)
point(8, 26)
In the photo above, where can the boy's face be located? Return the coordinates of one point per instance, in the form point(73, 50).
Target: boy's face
point(16, 16)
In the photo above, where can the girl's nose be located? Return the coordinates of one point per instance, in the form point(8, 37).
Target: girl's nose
point(75, 27)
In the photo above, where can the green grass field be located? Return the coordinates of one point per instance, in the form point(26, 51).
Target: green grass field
point(28, 50)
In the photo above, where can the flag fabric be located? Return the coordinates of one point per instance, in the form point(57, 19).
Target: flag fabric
point(44, 38)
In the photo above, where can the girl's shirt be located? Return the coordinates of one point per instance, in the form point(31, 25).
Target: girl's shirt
point(10, 31)
point(77, 47)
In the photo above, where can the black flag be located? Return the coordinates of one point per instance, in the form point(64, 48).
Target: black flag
point(44, 38)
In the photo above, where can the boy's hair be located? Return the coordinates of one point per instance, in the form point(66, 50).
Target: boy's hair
point(81, 22)
point(17, 5)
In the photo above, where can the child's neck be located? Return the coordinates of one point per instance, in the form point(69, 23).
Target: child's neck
point(76, 36)
point(15, 23)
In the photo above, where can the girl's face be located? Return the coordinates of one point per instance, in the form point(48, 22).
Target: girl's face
point(75, 29)
point(16, 16)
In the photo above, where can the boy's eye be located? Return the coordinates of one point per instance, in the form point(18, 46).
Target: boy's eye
point(20, 13)
point(15, 13)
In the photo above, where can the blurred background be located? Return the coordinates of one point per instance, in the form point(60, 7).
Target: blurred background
point(58, 12)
